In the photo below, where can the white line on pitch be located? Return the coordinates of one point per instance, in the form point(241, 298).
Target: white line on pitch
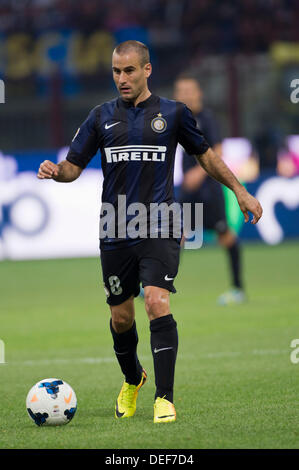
point(101, 360)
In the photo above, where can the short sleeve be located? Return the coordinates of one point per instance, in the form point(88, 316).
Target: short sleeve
point(85, 142)
point(189, 136)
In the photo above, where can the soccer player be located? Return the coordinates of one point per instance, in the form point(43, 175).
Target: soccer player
point(137, 134)
point(198, 186)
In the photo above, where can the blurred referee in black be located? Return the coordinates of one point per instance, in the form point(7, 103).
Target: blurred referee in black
point(137, 134)
point(198, 186)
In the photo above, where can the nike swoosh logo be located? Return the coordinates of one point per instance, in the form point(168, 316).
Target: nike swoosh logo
point(67, 400)
point(165, 416)
point(168, 278)
point(162, 349)
point(111, 125)
point(118, 413)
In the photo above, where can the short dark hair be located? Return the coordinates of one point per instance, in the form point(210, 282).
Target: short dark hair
point(137, 46)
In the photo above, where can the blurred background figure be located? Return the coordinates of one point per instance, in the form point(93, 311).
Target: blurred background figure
point(197, 186)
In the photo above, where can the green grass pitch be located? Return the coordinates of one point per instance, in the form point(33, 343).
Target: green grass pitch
point(236, 386)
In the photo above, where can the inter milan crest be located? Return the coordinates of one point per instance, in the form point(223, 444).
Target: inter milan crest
point(159, 124)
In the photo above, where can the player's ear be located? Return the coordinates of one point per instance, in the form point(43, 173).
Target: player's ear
point(148, 69)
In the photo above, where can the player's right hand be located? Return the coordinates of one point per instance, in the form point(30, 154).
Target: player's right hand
point(47, 170)
point(249, 203)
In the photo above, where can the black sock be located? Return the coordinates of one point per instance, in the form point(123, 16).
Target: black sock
point(125, 348)
point(235, 264)
point(164, 344)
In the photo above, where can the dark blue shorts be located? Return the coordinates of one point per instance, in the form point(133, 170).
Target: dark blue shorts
point(151, 262)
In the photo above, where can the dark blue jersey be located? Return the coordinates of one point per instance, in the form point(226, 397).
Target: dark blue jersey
point(137, 147)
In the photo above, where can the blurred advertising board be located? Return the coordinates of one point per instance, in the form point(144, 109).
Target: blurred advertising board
point(43, 219)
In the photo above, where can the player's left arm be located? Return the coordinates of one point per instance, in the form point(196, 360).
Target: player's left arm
point(217, 169)
point(194, 177)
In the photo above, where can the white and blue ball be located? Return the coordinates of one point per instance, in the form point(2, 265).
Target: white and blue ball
point(51, 402)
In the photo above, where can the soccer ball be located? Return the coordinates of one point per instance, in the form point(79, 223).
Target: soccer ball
point(51, 402)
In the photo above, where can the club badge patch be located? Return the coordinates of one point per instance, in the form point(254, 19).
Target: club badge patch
point(159, 124)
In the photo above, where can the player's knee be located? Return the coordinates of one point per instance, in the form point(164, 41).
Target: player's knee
point(122, 319)
point(121, 324)
point(156, 302)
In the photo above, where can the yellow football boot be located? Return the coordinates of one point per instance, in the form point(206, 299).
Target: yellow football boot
point(164, 411)
point(125, 405)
